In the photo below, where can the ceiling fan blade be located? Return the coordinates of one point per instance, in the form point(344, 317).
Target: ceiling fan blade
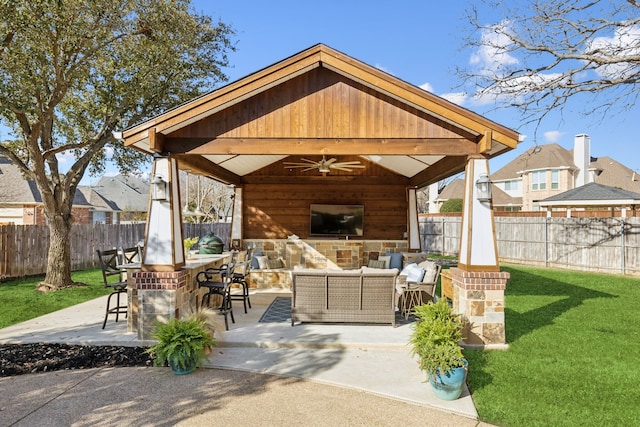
point(309, 169)
point(341, 168)
point(330, 161)
point(348, 164)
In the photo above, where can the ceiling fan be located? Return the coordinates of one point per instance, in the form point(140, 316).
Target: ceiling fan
point(324, 165)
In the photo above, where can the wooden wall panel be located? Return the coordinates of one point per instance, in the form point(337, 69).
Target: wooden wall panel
point(275, 211)
point(320, 104)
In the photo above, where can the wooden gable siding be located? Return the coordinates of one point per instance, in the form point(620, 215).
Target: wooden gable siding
point(278, 210)
point(320, 104)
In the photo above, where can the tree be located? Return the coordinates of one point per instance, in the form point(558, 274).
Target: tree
point(549, 51)
point(72, 72)
point(206, 200)
point(451, 205)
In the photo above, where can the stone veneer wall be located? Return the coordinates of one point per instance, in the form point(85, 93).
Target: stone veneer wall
point(479, 296)
point(162, 295)
point(320, 253)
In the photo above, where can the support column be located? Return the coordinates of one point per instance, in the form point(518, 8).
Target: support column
point(478, 284)
point(480, 297)
point(162, 295)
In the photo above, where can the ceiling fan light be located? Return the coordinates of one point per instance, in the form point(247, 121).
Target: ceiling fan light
point(324, 169)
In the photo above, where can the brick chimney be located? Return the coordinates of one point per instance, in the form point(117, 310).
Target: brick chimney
point(582, 158)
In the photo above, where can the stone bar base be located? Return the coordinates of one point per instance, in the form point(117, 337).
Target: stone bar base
point(479, 296)
point(162, 295)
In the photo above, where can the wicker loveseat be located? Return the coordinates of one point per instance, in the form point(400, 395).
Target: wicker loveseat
point(343, 296)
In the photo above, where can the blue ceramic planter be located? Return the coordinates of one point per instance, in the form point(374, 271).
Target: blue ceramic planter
point(449, 386)
point(180, 370)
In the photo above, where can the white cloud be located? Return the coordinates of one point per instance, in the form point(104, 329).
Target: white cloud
point(458, 98)
point(492, 56)
point(426, 86)
point(625, 42)
point(553, 136)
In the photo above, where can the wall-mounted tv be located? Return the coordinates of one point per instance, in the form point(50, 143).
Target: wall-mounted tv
point(337, 220)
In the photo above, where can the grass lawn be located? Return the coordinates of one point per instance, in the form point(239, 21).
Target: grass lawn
point(21, 302)
point(574, 342)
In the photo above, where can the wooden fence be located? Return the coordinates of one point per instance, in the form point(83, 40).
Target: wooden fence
point(24, 248)
point(592, 244)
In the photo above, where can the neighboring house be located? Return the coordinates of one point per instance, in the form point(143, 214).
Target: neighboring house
point(548, 170)
point(595, 196)
point(501, 200)
point(21, 202)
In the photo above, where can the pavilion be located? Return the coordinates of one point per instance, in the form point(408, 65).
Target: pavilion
point(361, 136)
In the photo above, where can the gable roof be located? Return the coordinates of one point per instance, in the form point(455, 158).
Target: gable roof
point(14, 188)
point(593, 194)
point(123, 193)
point(539, 157)
point(614, 174)
point(321, 101)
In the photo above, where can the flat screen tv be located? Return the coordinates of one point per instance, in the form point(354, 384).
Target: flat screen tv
point(337, 220)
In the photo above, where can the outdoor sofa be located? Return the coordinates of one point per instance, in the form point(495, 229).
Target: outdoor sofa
point(365, 295)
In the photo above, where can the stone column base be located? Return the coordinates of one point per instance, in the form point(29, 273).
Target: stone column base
point(479, 296)
point(162, 295)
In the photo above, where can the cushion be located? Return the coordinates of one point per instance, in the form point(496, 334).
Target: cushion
point(430, 270)
point(276, 263)
point(396, 260)
point(386, 259)
point(263, 262)
point(254, 260)
point(376, 263)
point(414, 272)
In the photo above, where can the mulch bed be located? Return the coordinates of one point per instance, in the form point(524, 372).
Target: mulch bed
point(18, 359)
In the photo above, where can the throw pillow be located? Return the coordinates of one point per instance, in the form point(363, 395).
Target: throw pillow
point(376, 263)
point(396, 260)
point(276, 263)
point(263, 262)
point(254, 260)
point(414, 272)
point(430, 270)
point(386, 259)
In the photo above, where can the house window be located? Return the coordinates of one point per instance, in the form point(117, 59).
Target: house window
point(539, 180)
point(554, 179)
point(511, 185)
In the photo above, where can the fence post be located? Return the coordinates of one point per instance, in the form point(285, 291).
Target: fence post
point(444, 246)
point(546, 241)
point(623, 244)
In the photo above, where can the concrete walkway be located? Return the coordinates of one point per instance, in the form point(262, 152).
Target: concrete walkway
point(345, 369)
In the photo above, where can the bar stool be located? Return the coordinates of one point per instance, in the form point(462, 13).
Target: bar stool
point(109, 261)
point(218, 282)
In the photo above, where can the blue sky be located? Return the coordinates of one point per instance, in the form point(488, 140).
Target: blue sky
point(416, 41)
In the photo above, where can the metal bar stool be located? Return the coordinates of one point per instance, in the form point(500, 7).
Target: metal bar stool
point(109, 261)
point(218, 282)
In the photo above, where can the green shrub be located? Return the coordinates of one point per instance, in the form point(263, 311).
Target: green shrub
point(451, 205)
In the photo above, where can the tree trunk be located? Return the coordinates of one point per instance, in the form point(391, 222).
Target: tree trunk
point(59, 260)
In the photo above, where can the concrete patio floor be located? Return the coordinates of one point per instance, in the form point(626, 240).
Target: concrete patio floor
point(370, 358)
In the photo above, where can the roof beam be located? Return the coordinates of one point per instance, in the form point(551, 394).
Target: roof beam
point(202, 166)
point(440, 170)
point(329, 146)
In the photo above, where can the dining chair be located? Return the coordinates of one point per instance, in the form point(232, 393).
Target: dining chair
point(240, 277)
point(218, 281)
point(110, 260)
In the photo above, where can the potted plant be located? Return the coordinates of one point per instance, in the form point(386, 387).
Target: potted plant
point(435, 340)
point(188, 244)
point(183, 343)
